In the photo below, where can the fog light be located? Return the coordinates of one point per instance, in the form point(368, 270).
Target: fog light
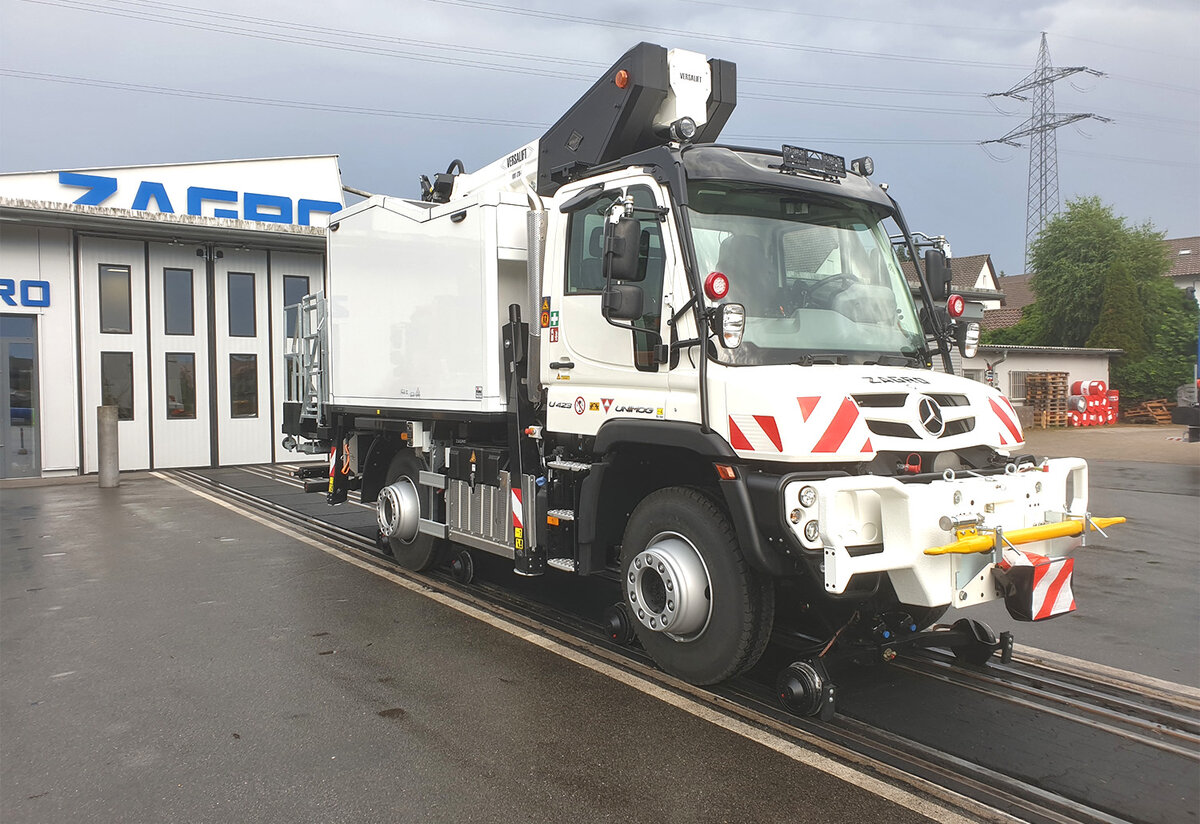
point(811, 531)
point(808, 497)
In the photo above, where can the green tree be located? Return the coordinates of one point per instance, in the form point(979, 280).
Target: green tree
point(1122, 322)
point(1071, 258)
point(1170, 319)
point(1100, 283)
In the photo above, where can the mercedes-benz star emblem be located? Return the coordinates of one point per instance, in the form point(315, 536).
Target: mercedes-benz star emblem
point(931, 416)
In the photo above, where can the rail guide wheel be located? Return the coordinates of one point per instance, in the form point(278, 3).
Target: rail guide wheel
point(978, 643)
point(462, 567)
point(618, 624)
point(805, 688)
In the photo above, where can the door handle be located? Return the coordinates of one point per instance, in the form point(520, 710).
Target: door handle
point(562, 364)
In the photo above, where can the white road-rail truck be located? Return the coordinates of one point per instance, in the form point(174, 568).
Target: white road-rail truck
point(627, 350)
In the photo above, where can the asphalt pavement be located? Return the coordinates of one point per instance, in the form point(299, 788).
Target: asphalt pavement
point(164, 659)
point(1136, 590)
point(167, 660)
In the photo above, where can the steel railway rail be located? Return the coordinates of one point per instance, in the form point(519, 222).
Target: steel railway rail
point(1114, 708)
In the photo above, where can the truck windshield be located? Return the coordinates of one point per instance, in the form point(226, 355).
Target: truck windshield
point(817, 275)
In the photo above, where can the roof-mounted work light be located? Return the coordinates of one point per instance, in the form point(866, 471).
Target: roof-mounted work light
point(683, 130)
point(864, 166)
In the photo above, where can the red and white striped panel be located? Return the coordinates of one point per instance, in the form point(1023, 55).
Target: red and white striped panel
point(754, 433)
point(1051, 583)
point(833, 425)
point(1010, 427)
point(1052, 588)
point(518, 511)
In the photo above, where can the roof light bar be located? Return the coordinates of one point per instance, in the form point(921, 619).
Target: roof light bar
point(796, 159)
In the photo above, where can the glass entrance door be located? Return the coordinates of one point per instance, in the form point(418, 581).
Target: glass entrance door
point(20, 456)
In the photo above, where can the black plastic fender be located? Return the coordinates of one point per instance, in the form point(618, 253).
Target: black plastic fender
point(706, 445)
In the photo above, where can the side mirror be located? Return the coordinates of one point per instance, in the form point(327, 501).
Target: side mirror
point(622, 242)
point(623, 301)
point(937, 273)
point(728, 324)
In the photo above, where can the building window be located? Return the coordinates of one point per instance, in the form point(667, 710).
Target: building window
point(294, 288)
point(974, 375)
point(181, 385)
point(179, 309)
point(1016, 386)
point(116, 382)
point(243, 386)
point(116, 300)
point(241, 305)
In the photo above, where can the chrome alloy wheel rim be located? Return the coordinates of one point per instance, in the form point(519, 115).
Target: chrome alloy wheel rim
point(668, 587)
point(399, 510)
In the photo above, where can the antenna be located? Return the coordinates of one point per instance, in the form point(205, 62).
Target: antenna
point(1042, 199)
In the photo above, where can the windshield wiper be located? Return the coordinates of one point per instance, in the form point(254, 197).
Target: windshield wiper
point(830, 358)
point(894, 360)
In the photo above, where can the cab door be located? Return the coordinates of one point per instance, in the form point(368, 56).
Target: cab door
point(596, 371)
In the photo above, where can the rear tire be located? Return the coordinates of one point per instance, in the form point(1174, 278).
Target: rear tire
point(730, 608)
point(418, 554)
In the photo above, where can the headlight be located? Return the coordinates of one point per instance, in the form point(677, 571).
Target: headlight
point(808, 497)
point(969, 344)
point(812, 530)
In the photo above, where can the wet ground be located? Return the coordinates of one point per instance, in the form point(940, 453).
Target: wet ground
point(164, 659)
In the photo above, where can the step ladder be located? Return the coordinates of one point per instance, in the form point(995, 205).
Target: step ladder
point(305, 359)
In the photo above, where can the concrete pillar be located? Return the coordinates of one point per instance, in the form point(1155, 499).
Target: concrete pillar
point(107, 446)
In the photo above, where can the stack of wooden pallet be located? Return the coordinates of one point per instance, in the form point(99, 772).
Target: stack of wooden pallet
point(1157, 411)
point(1046, 392)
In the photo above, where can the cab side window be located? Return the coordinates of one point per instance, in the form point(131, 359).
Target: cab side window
point(585, 264)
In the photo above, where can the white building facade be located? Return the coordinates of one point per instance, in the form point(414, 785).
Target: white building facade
point(159, 290)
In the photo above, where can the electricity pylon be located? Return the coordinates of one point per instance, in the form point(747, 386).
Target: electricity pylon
point(1042, 199)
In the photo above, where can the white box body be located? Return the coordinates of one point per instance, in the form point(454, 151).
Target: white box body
point(417, 294)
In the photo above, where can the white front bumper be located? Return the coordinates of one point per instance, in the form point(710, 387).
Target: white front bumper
point(869, 523)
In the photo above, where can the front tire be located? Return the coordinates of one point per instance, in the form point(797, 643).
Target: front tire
point(417, 554)
point(680, 561)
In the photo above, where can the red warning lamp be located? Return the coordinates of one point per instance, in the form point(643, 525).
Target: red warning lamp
point(716, 286)
point(955, 306)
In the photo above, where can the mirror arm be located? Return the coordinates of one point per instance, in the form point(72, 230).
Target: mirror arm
point(687, 307)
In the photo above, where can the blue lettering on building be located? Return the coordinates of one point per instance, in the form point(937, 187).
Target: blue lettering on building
point(35, 293)
point(282, 206)
point(150, 189)
point(198, 194)
point(258, 206)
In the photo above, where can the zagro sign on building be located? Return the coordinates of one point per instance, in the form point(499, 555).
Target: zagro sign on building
point(302, 191)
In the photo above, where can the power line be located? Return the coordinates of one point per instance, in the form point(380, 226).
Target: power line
point(301, 34)
point(266, 101)
point(339, 108)
point(320, 37)
point(747, 41)
point(925, 23)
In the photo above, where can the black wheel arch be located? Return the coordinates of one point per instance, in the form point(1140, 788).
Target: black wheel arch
point(638, 457)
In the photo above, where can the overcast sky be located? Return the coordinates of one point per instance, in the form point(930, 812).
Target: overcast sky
point(399, 88)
